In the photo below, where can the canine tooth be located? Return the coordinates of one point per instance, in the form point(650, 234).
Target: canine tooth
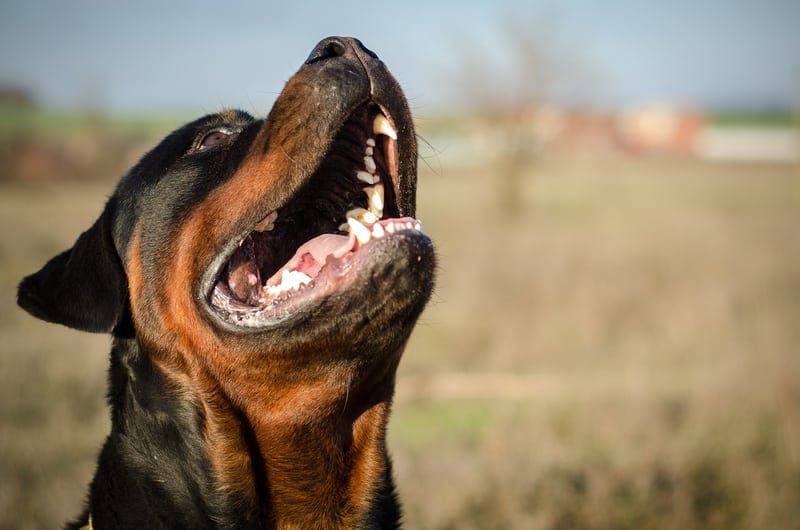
point(367, 178)
point(362, 215)
point(377, 230)
point(381, 125)
point(355, 213)
point(390, 228)
point(267, 223)
point(371, 142)
point(361, 232)
point(418, 226)
point(375, 198)
point(369, 151)
point(344, 227)
point(369, 163)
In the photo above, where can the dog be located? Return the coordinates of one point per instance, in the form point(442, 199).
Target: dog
point(260, 279)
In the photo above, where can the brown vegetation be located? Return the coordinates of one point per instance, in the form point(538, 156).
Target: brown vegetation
point(622, 355)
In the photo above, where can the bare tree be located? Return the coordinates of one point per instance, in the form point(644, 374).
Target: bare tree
point(506, 95)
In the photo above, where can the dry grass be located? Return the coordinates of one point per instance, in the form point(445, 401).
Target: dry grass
point(52, 379)
point(637, 326)
point(621, 354)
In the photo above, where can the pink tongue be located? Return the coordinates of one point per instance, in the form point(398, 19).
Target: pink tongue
point(311, 257)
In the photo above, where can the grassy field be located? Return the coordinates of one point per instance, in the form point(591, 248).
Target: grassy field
point(620, 353)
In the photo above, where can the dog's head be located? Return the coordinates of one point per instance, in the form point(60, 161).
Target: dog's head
point(289, 239)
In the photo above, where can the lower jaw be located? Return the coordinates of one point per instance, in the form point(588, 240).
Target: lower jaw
point(307, 279)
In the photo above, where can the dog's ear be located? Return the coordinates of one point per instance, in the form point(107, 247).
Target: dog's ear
point(83, 287)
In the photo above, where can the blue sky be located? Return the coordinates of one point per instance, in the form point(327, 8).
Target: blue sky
point(198, 55)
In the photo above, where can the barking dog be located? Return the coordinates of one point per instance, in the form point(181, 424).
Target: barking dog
point(260, 279)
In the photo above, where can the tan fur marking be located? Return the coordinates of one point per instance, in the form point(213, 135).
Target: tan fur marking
point(134, 269)
point(193, 348)
point(296, 451)
point(368, 460)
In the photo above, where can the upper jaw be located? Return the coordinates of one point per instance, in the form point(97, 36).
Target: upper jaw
point(316, 242)
point(341, 137)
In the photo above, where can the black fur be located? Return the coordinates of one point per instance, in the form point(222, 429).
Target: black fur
point(154, 470)
point(153, 457)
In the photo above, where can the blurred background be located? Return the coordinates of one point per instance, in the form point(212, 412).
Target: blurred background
point(614, 192)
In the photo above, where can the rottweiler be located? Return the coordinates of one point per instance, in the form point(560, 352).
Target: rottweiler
point(260, 279)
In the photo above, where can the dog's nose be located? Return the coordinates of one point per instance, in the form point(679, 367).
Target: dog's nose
point(332, 47)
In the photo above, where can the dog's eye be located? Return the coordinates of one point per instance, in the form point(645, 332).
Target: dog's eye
point(212, 139)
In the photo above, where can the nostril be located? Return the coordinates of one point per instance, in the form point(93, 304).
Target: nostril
point(335, 48)
point(327, 49)
point(366, 50)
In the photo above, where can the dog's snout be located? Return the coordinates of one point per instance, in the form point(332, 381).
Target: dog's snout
point(333, 47)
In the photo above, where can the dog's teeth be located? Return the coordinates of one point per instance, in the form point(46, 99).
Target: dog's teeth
point(367, 178)
point(369, 163)
point(381, 125)
point(299, 279)
point(375, 199)
point(418, 226)
point(369, 151)
point(290, 280)
point(371, 142)
point(354, 213)
point(361, 232)
point(377, 230)
point(267, 223)
point(390, 228)
point(363, 215)
point(344, 227)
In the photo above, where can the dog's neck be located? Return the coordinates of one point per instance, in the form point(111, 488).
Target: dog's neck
point(318, 454)
point(324, 472)
point(313, 457)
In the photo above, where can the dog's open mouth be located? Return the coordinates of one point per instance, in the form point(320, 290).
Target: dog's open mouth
point(308, 248)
